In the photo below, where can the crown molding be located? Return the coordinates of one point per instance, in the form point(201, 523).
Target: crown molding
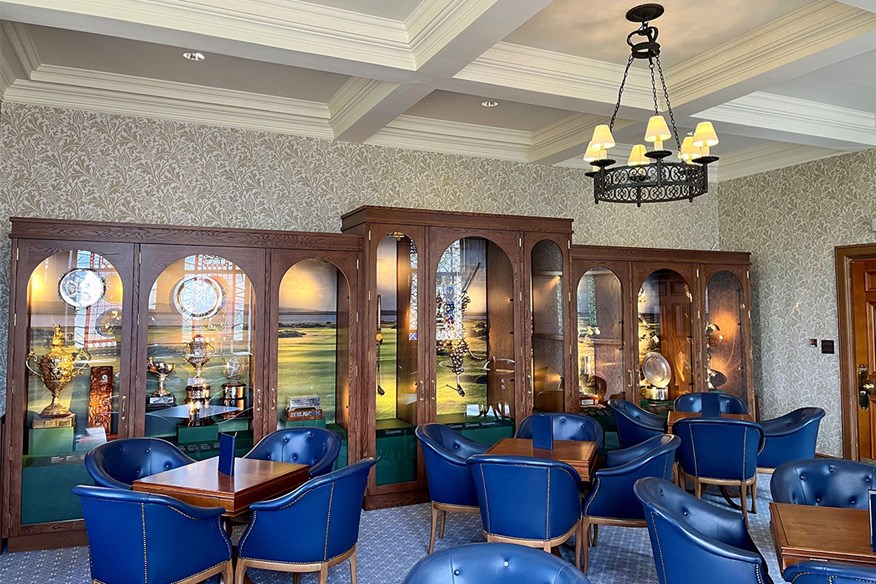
point(22, 45)
point(797, 116)
point(542, 71)
point(555, 142)
point(292, 26)
point(767, 157)
point(415, 133)
point(354, 100)
point(809, 30)
point(67, 87)
point(435, 23)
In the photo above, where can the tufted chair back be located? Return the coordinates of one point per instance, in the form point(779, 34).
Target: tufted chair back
point(718, 448)
point(790, 437)
point(567, 427)
point(525, 498)
point(635, 425)
point(814, 572)
point(117, 464)
point(326, 511)
point(131, 535)
point(690, 538)
point(318, 448)
point(693, 402)
point(827, 482)
point(445, 452)
point(493, 563)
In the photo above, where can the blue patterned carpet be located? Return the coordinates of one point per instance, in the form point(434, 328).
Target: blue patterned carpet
point(392, 540)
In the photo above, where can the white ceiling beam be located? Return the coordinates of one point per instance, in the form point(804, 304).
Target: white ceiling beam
point(566, 138)
point(766, 157)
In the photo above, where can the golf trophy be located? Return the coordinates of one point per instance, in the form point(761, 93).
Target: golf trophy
point(161, 369)
point(197, 353)
point(234, 391)
point(56, 369)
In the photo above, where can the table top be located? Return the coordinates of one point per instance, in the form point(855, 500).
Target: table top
point(577, 454)
point(202, 484)
point(675, 416)
point(805, 532)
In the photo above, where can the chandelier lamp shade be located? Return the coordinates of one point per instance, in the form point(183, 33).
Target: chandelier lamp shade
point(650, 176)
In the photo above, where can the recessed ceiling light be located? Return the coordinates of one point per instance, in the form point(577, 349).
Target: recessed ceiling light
point(489, 103)
point(194, 56)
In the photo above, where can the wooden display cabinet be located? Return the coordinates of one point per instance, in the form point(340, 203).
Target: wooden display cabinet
point(451, 298)
point(691, 307)
point(127, 292)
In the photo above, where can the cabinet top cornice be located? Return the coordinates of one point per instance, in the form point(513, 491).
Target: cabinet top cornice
point(435, 218)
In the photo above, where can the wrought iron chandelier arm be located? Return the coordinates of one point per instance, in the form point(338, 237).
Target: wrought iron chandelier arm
point(668, 104)
point(620, 93)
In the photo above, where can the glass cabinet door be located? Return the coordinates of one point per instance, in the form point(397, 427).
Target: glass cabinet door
point(665, 308)
point(548, 347)
point(74, 330)
point(199, 355)
point(474, 288)
point(313, 335)
point(396, 341)
point(724, 346)
point(600, 337)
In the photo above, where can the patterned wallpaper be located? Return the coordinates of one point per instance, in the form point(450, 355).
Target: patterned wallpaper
point(84, 165)
point(790, 220)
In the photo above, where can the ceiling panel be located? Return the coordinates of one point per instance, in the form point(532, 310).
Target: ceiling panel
point(850, 83)
point(392, 9)
point(458, 107)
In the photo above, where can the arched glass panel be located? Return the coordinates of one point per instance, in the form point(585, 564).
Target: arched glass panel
point(475, 346)
point(313, 381)
point(199, 351)
point(665, 341)
point(725, 362)
point(548, 347)
point(396, 341)
point(600, 337)
point(74, 338)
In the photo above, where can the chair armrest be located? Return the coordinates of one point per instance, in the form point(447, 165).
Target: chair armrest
point(827, 571)
point(291, 497)
point(615, 458)
point(472, 446)
point(193, 512)
point(722, 547)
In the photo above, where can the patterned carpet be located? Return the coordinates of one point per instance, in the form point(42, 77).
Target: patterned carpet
point(392, 540)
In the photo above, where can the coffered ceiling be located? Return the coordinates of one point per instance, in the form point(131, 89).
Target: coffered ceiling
point(784, 81)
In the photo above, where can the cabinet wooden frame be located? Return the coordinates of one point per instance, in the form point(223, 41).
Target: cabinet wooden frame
point(432, 232)
point(140, 253)
point(633, 265)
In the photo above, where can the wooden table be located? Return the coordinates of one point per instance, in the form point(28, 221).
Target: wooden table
point(805, 532)
point(577, 454)
point(675, 416)
point(203, 485)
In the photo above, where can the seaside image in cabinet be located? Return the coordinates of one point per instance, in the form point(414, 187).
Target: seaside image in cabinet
point(74, 327)
point(313, 336)
point(601, 370)
point(200, 328)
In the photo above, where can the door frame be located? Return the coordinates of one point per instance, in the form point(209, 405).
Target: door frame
point(844, 256)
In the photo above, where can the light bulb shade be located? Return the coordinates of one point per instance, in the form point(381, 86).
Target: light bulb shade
point(593, 153)
point(705, 135)
point(657, 130)
point(637, 156)
point(602, 137)
point(688, 150)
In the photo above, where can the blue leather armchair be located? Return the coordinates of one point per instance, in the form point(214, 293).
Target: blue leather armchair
point(135, 537)
point(117, 464)
point(790, 437)
point(635, 425)
point(829, 573)
point(528, 501)
point(693, 402)
point(611, 500)
point(318, 448)
point(493, 563)
point(695, 541)
point(723, 452)
point(828, 482)
point(451, 488)
point(324, 514)
point(567, 427)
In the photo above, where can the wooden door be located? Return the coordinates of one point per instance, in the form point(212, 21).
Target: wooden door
point(863, 274)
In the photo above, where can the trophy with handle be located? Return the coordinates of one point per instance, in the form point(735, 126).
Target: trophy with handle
point(56, 369)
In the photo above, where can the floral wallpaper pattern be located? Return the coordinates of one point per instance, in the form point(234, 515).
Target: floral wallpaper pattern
point(72, 164)
point(791, 220)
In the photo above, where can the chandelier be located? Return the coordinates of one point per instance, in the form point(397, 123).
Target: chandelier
point(648, 176)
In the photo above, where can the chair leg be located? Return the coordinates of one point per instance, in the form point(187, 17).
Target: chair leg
point(698, 488)
point(547, 547)
point(584, 535)
point(239, 571)
point(434, 527)
point(353, 566)
point(754, 495)
point(323, 573)
point(595, 534)
point(443, 523)
point(296, 578)
point(228, 573)
point(743, 500)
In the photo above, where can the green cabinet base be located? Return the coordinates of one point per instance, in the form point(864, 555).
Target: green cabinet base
point(483, 430)
point(50, 441)
point(396, 452)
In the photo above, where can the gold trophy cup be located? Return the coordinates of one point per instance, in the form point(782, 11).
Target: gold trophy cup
point(56, 369)
point(197, 353)
point(234, 391)
point(161, 370)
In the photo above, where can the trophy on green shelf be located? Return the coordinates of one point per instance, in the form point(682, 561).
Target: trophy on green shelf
point(197, 353)
point(56, 369)
point(161, 370)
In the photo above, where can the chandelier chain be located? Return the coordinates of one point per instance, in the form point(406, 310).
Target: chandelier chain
point(620, 92)
point(668, 104)
point(653, 87)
